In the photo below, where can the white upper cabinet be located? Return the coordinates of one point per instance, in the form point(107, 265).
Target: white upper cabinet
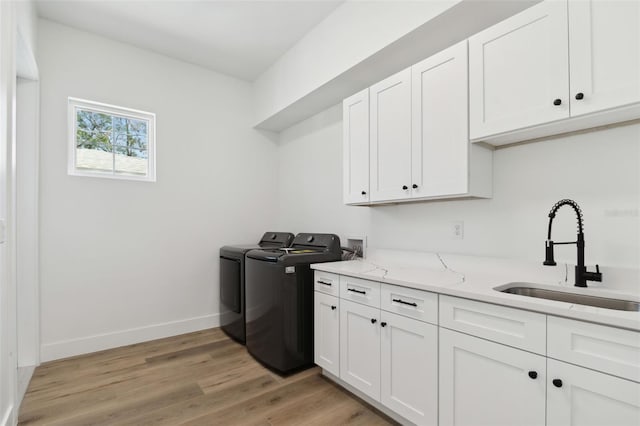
point(604, 47)
point(440, 146)
point(391, 137)
point(355, 112)
point(519, 71)
point(559, 66)
point(418, 130)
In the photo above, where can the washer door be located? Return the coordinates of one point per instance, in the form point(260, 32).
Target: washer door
point(230, 284)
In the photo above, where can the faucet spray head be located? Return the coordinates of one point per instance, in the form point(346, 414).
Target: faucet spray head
point(549, 260)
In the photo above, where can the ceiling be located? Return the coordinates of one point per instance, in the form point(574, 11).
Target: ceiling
point(240, 38)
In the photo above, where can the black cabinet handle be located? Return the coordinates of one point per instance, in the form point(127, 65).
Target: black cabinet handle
point(333, 307)
point(357, 291)
point(405, 187)
point(414, 186)
point(579, 96)
point(557, 383)
point(557, 102)
point(373, 320)
point(383, 324)
point(364, 192)
point(405, 303)
point(533, 374)
point(324, 282)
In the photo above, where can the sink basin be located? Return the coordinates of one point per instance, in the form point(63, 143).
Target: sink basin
point(523, 289)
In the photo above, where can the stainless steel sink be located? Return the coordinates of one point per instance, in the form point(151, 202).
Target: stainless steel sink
point(579, 299)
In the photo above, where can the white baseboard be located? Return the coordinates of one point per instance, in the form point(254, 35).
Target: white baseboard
point(98, 342)
point(24, 377)
point(7, 417)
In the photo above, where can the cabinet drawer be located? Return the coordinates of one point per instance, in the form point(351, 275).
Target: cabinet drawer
point(608, 349)
point(513, 327)
point(410, 302)
point(326, 282)
point(361, 291)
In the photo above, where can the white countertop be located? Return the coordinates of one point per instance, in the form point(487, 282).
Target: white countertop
point(475, 278)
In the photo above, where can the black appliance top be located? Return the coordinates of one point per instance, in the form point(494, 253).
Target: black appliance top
point(268, 240)
point(306, 248)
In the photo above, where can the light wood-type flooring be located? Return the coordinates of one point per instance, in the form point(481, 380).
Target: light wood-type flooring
point(201, 378)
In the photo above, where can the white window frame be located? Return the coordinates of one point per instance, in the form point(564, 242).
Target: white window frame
point(76, 103)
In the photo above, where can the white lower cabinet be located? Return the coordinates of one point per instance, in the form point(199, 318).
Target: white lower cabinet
point(327, 332)
point(409, 368)
point(579, 396)
point(484, 365)
point(360, 347)
point(486, 383)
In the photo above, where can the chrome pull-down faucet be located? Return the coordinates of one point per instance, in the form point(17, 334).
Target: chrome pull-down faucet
point(582, 275)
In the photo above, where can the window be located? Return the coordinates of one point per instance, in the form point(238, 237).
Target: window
point(110, 141)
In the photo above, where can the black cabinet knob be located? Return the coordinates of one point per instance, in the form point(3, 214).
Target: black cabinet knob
point(383, 324)
point(364, 192)
point(557, 102)
point(533, 374)
point(405, 187)
point(333, 308)
point(414, 186)
point(579, 96)
point(373, 320)
point(557, 383)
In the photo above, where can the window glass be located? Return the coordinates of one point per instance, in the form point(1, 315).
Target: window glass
point(111, 141)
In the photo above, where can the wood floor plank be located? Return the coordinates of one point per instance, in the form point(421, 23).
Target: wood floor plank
point(200, 378)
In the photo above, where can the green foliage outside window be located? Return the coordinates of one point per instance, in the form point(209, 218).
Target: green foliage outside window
point(109, 133)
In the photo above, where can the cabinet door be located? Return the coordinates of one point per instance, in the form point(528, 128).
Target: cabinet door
point(355, 141)
point(327, 332)
point(486, 383)
point(360, 347)
point(391, 137)
point(409, 368)
point(604, 44)
point(589, 398)
point(440, 136)
point(517, 69)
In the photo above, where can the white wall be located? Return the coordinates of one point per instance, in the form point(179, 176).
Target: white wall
point(350, 34)
point(8, 364)
point(125, 261)
point(599, 169)
point(27, 246)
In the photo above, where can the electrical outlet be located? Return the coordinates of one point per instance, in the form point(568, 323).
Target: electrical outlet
point(457, 230)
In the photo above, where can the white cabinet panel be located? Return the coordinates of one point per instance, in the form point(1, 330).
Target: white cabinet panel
point(604, 47)
point(513, 327)
point(362, 291)
point(360, 347)
point(486, 383)
point(518, 68)
point(409, 367)
point(391, 137)
point(410, 302)
point(602, 348)
point(578, 396)
point(327, 332)
point(440, 137)
point(355, 113)
point(326, 282)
